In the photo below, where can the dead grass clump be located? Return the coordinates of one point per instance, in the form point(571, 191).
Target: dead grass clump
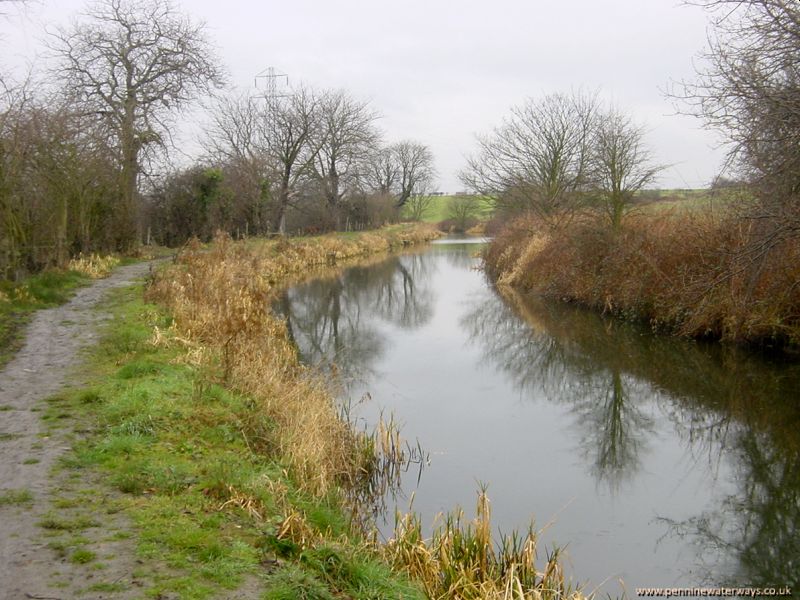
point(93, 265)
point(460, 559)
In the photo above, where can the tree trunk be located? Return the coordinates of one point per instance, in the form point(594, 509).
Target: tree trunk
point(128, 235)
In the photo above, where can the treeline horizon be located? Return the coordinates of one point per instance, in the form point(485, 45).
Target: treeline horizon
point(86, 144)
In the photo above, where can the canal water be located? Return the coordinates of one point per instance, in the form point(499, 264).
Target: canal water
point(648, 460)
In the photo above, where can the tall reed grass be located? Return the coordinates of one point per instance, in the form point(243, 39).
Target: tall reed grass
point(93, 265)
point(462, 560)
point(695, 274)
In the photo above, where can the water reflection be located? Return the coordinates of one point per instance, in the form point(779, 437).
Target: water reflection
point(335, 320)
point(602, 398)
point(727, 405)
point(631, 405)
point(751, 537)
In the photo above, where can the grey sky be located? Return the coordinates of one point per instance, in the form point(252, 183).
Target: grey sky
point(439, 72)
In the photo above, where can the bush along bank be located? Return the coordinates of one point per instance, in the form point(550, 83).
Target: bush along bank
point(694, 274)
point(235, 463)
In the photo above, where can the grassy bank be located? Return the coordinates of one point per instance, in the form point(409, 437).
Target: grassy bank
point(20, 299)
point(234, 462)
point(231, 461)
point(213, 510)
point(695, 273)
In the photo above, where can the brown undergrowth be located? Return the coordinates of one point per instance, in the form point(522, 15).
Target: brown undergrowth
point(699, 275)
point(462, 559)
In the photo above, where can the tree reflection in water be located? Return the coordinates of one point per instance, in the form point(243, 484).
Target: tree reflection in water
point(752, 538)
point(335, 321)
point(603, 399)
point(728, 405)
point(620, 384)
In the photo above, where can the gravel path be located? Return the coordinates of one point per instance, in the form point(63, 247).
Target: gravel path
point(51, 353)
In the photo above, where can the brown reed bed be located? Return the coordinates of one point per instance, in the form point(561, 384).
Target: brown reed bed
point(694, 274)
point(462, 560)
point(220, 301)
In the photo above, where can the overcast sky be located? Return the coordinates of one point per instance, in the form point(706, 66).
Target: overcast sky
point(440, 72)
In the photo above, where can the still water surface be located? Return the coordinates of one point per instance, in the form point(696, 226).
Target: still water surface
point(651, 461)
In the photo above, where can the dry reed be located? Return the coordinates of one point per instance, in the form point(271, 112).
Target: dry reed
point(461, 560)
point(93, 265)
point(694, 274)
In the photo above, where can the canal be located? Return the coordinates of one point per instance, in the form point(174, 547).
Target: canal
point(649, 460)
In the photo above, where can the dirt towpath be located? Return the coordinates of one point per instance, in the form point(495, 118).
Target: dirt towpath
point(51, 352)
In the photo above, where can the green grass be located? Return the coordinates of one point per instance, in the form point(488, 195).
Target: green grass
point(655, 200)
point(82, 556)
point(16, 497)
point(168, 439)
point(19, 300)
point(332, 567)
point(690, 200)
point(438, 210)
point(56, 522)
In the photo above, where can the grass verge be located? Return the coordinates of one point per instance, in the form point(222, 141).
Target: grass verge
point(210, 513)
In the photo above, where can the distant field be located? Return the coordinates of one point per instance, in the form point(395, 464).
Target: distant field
point(437, 211)
point(689, 199)
point(650, 200)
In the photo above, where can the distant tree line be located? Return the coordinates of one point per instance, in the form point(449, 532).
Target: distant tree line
point(308, 161)
point(83, 147)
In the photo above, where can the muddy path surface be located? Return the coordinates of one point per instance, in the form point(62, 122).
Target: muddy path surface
point(46, 363)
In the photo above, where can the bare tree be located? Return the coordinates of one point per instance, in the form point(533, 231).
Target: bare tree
point(620, 164)
point(748, 87)
point(294, 121)
point(462, 210)
point(273, 142)
point(415, 170)
point(11, 2)
point(132, 64)
point(236, 140)
point(345, 140)
point(418, 205)
point(538, 159)
point(382, 172)
point(405, 171)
